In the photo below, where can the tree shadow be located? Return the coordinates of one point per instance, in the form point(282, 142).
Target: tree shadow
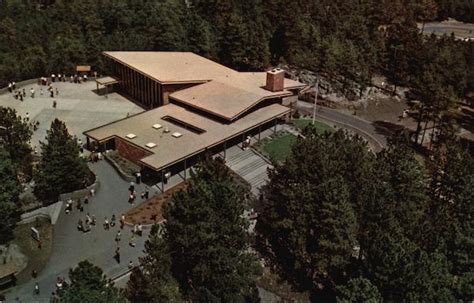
point(387, 129)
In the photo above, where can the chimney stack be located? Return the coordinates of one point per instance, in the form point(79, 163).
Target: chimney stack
point(275, 80)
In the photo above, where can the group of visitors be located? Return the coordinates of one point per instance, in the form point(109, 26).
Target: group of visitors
point(133, 194)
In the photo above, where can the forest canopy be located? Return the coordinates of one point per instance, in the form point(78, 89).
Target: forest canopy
point(346, 41)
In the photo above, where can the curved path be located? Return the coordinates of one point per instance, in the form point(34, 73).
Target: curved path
point(98, 246)
point(362, 127)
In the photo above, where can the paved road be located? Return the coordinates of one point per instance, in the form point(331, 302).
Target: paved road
point(71, 246)
point(362, 127)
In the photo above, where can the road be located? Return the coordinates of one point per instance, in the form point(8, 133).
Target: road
point(353, 123)
point(98, 246)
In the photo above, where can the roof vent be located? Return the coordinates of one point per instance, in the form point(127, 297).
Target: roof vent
point(177, 135)
point(131, 136)
point(157, 126)
point(150, 145)
point(166, 130)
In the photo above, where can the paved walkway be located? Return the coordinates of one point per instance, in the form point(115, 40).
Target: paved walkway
point(98, 246)
point(362, 127)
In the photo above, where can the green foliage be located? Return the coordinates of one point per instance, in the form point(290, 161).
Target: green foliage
point(89, 284)
point(332, 211)
point(310, 224)
point(153, 281)
point(358, 290)
point(342, 40)
point(60, 170)
point(15, 138)
point(9, 192)
point(206, 236)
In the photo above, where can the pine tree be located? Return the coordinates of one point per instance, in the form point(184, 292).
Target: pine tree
point(89, 284)
point(358, 290)
point(9, 192)
point(206, 234)
point(15, 138)
point(307, 227)
point(60, 170)
point(153, 281)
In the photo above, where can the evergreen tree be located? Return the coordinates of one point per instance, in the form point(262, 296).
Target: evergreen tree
point(15, 137)
point(153, 281)
point(358, 290)
point(308, 230)
point(451, 213)
point(206, 234)
point(60, 170)
point(9, 192)
point(89, 284)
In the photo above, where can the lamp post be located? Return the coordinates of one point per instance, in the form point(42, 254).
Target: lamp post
point(316, 89)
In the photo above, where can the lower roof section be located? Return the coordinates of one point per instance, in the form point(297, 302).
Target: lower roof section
point(168, 132)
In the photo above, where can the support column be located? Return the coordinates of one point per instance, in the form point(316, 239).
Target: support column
point(275, 127)
point(106, 91)
point(259, 131)
point(243, 140)
point(184, 169)
point(225, 149)
point(162, 181)
point(97, 84)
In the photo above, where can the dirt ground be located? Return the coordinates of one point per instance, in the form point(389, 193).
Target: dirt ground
point(150, 211)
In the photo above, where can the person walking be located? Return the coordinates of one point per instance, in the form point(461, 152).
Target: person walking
point(53, 77)
point(112, 220)
point(10, 89)
point(37, 289)
point(117, 255)
point(54, 104)
point(106, 224)
point(57, 91)
point(21, 96)
point(13, 86)
point(24, 93)
point(118, 237)
point(130, 265)
point(32, 93)
point(131, 188)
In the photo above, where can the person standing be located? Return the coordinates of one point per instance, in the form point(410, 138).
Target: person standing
point(131, 241)
point(106, 224)
point(122, 221)
point(53, 77)
point(54, 104)
point(21, 96)
point(112, 220)
point(57, 91)
point(41, 91)
point(138, 177)
point(13, 86)
point(32, 92)
point(10, 89)
point(117, 237)
point(140, 229)
point(24, 93)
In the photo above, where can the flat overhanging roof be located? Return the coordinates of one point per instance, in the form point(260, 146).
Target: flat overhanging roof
point(149, 127)
point(106, 81)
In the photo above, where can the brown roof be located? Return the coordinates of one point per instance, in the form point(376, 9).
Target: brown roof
point(226, 92)
point(169, 149)
point(83, 68)
point(106, 81)
point(220, 99)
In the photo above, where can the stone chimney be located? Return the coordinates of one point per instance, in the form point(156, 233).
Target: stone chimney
point(275, 80)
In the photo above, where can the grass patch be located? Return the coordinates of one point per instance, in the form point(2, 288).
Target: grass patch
point(279, 148)
point(320, 127)
point(37, 258)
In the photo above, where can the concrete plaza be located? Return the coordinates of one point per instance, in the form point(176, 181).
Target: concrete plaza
point(77, 105)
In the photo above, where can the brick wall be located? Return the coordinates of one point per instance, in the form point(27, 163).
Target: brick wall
point(130, 151)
